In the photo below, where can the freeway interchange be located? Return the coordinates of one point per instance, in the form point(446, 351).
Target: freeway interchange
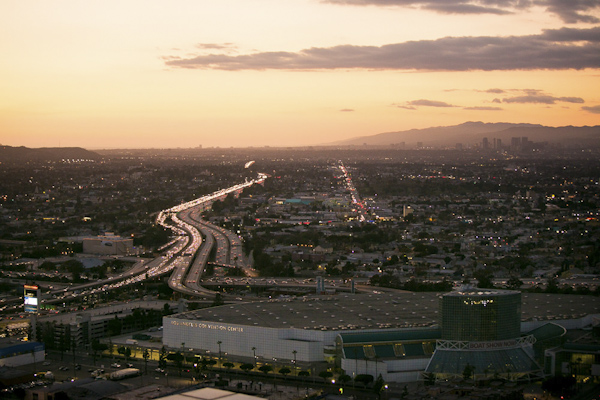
point(189, 256)
point(185, 256)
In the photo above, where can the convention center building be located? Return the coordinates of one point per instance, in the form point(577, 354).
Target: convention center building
point(402, 336)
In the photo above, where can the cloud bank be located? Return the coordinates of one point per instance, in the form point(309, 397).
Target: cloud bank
point(565, 48)
point(429, 103)
point(483, 108)
point(542, 99)
point(570, 11)
point(593, 109)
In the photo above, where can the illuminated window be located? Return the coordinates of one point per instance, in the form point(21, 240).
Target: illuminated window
point(399, 350)
point(427, 348)
point(369, 351)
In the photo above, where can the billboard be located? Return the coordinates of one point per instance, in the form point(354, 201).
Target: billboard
point(31, 297)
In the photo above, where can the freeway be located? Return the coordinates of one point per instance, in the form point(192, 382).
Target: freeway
point(222, 253)
point(190, 261)
point(186, 278)
point(186, 254)
point(360, 205)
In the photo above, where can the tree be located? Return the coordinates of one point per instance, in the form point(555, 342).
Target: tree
point(484, 280)
point(379, 385)
point(61, 396)
point(344, 378)
point(146, 356)
point(177, 358)
point(365, 379)
point(162, 358)
point(47, 266)
point(228, 365)
point(514, 283)
point(114, 326)
point(559, 384)
point(284, 371)
point(127, 354)
point(246, 367)
point(468, 371)
point(98, 347)
point(303, 374)
point(552, 286)
point(210, 362)
point(294, 352)
point(326, 375)
point(265, 369)
point(64, 341)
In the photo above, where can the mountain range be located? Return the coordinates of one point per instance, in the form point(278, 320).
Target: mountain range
point(10, 154)
point(471, 133)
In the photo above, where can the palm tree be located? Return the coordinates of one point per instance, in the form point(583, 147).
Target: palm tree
point(34, 361)
point(146, 356)
point(294, 352)
point(219, 343)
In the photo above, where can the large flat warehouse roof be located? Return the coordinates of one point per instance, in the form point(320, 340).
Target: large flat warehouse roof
point(374, 311)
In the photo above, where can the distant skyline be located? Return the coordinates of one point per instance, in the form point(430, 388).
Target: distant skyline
point(238, 73)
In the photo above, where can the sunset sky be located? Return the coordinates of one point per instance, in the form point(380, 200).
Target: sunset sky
point(183, 73)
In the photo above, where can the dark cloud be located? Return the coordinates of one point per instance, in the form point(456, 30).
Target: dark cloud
point(553, 49)
point(592, 109)
point(346, 110)
point(463, 8)
point(429, 103)
point(407, 107)
point(215, 46)
point(498, 91)
point(221, 48)
point(570, 11)
point(483, 108)
point(542, 99)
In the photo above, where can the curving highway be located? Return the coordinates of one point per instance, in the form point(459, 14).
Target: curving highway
point(185, 256)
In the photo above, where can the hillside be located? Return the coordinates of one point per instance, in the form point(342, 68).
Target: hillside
point(471, 133)
point(22, 154)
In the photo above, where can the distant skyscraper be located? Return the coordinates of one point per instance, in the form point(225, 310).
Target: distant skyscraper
point(485, 144)
point(515, 143)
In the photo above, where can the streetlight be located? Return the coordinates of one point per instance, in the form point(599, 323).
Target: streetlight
point(254, 351)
